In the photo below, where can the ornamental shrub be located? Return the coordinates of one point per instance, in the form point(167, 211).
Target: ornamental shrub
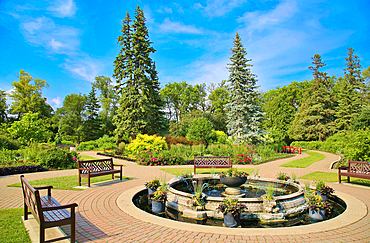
point(106, 142)
point(144, 142)
point(8, 143)
point(55, 158)
point(221, 138)
point(90, 145)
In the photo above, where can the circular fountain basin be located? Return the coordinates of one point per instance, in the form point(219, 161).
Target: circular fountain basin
point(288, 207)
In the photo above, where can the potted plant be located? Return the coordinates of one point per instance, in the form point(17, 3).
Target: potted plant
point(158, 199)
point(231, 208)
point(199, 197)
point(233, 177)
point(317, 207)
point(269, 202)
point(152, 185)
point(323, 190)
point(283, 177)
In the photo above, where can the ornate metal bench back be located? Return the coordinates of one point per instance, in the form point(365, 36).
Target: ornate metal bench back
point(96, 165)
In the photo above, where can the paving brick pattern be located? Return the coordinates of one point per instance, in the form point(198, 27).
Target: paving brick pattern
point(99, 219)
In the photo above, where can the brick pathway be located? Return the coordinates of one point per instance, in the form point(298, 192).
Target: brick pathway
point(99, 219)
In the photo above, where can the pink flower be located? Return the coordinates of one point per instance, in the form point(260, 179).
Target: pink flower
point(165, 162)
point(162, 164)
point(179, 154)
point(74, 158)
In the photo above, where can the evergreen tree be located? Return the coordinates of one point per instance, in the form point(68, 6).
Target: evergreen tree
point(139, 104)
point(243, 110)
point(314, 117)
point(92, 125)
point(3, 107)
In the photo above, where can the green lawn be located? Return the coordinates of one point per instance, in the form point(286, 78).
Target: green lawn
point(179, 171)
point(86, 157)
point(303, 163)
point(333, 177)
point(11, 226)
point(66, 182)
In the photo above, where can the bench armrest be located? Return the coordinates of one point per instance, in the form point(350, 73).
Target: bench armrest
point(343, 168)
point(71, 205)
point(45, 187)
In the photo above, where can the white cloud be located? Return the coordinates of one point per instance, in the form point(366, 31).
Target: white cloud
point(42, 31)
point(217, 8)
point(207, 71)
point(64, 8)
point(259, 20)
point(164, 10)
point(177, 27)
point(83, 67)
point(57, 102)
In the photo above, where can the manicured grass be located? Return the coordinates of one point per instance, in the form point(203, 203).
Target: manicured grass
point(67, 182)
point(333, 177)
point(303, 163)
point(178, 171)
point(11, 226)
point(86, 157)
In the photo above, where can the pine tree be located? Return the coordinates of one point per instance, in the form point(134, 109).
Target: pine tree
point(350, 93)
point(314, 117)
point(92, 125)
point(135, 72)
point(243, 109)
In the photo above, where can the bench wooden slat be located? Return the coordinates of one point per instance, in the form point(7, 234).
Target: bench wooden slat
point(97, 167)
point(212, 162)
point(358, 169)
point(51, 211)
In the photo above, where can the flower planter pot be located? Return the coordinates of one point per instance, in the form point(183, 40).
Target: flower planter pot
point(151, 191)
point(323, 197)
point(317, 214)
point(158, 207)
point(231, 220)
point(233, 181)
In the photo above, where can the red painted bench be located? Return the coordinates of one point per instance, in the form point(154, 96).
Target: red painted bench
point(359, 169)
point(292, 149)
point(47, 211)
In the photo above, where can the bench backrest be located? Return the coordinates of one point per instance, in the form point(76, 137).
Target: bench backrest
point(362, 167)
point(207, 161)
point(32, 199)
point(96, 165)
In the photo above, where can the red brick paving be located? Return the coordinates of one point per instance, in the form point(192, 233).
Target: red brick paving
point(99, 218)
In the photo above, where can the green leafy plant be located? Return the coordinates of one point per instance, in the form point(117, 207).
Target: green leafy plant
point(231, 205)
point(160, 195)
point(315, 202)
point(144, 142)
point(323, 188)
point(153, 184)
point(233, 172)
point(55, 158)
point(269, 192)
point(283, 176)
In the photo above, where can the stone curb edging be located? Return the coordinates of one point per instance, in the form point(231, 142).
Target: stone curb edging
point(356, 210)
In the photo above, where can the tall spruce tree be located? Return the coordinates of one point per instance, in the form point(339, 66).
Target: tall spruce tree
point(137, 82)
point(93, 123)
point(350, 93)
point(244, 113)
point(314, 117)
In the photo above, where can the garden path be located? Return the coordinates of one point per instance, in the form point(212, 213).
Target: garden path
point(99, 219)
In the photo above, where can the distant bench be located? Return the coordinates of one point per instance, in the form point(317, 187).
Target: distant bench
point(211, 162)
point(97, 167)
point(292, 149)
point(359, 169)
point(47, 211)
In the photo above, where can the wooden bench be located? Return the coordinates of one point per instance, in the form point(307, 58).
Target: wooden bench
point(211, 162)
point(359, 169)
point(47, 211)
point(97, 167)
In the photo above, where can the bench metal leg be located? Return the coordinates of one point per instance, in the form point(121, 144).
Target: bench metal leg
point(79, 180)
point(120, 175)
point(73, 226)
point(348, 178)
point(88, 181)
point(25, 212)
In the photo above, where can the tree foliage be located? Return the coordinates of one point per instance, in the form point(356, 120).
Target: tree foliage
point(27, 97)
point(71, 117)
point(314, 117)
point(137, 82)
point(244, 113)
point(201, 129)
point(3, 107)
point(29, 129)
point(92, 124)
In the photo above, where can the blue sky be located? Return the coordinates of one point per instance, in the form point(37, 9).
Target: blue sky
point(69, 42)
